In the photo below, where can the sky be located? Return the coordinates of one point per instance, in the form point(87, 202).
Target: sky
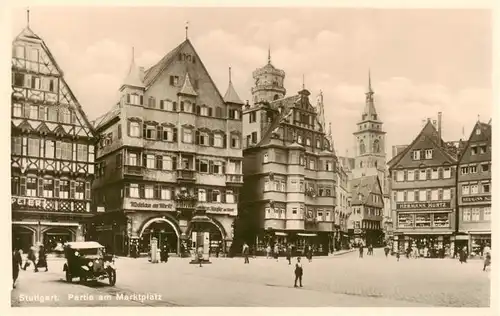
point(422, 61)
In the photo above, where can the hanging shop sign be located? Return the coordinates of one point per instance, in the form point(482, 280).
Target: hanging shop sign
point(217, 209)
point(148, 205)
point(468, 199)
point(423, 205)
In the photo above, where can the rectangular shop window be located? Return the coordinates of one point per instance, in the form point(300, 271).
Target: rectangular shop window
point(405, 220)
point(441, 220)
point(134, 190)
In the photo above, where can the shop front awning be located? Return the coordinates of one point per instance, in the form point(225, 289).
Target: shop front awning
point(307, 234)
point(280, 234)
point(480, 232)
point(426, 233)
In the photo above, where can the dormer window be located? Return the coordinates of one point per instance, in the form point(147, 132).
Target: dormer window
point(416, 155)
point(478, 131)
point(174, 80)
point(428, 154)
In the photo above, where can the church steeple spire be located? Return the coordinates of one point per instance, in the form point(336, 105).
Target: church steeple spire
point(369, 112)
point(369, 93)
point(269, 55)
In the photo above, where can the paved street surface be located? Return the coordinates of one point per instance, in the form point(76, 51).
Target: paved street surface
point(341, 281)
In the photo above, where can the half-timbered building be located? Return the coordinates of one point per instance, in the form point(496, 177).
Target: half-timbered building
point(52, 153)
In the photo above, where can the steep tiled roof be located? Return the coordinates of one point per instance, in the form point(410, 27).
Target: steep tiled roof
point(231, 96)
point(134, 76)
point(361, 189)
point(152, 73)
point(483, 137)
point(107, 117)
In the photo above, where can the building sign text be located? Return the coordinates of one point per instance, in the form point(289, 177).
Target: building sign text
point(423, 205)
point(486, 198)
point(29, 202)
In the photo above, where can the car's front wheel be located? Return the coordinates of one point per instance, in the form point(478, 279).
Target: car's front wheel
point(112, 276)
point(69, 278)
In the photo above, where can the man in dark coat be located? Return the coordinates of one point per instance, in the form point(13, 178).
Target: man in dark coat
point(361, 250)
point(298, 272)
point(164, 254)
point(31, 258)
point(246, 252)
point(42, 259)
point(17, 261)
point(289, 254)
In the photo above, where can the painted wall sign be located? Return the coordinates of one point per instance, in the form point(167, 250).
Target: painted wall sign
point(423, 205)
point(29, 202)
point(468, 199)
point(154, 205)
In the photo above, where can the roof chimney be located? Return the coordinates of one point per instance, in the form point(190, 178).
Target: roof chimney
point(141, 73)
point(439, 125)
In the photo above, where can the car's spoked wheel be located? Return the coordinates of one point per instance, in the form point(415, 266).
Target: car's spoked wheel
point(69, 278)
point(112, 277)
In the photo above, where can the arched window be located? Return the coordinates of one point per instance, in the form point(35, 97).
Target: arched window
point(362, 148)
point(276, 97)
point(376, 146)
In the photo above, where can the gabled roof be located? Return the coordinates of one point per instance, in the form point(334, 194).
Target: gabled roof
point(187, 87)
point(361, 188)
point(153, 73)
point(431, 135)
point(231, 96)
point(27, 35)
point(107, 117)
point(485, 136)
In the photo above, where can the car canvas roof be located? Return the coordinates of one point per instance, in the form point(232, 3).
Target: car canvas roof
point(84, 245)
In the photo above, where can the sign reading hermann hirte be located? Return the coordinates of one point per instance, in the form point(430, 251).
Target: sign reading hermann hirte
point(423, 205)
point(486, 198)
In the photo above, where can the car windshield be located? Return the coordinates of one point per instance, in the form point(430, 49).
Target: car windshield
point(89, 252)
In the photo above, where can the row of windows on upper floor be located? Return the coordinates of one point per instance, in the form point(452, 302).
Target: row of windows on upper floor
point(478, 149)
point(473, 168)
point(36, 82)
point(422, 195)
point(53, 113)
point(165, 192)
point(366, 224)
point(369, 211)
point(321, 215)
point(311, 163)
point(252, 139)
point(483, 187)
point(49, 187)
point(422, 174)
point(49, 148)
point(280, 185)
point(189, 135)
point(184, 107)
point(476, 214)
point(373, 126)
point(169, 163)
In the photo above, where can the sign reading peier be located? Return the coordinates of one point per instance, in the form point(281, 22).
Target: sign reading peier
point(29, 202)
point(486, 198)
point(423, 205)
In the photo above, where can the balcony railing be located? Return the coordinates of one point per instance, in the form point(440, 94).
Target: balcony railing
point(133, 170)
point(234, 178)
point(186, 205)
point(184, 175)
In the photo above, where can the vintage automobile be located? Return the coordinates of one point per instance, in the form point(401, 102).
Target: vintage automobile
point(88, 261)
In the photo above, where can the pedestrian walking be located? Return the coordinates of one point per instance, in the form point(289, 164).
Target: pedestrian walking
point(31, 259)
point(17, 262)
point(487, 260)
point(268, 251)
point(164, 254)
point(276, 251)
point(309, 253)
point(462, 255)
point(361, 250)
point(246, 252)
point(398, 255)
point(289, 254)
point(298, 273)
point(42, 259)
point(386, 250)
point(370, 250)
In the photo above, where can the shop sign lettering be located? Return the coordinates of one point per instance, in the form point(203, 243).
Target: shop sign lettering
point(151, 205)
point(218, 209)
point(29, 202)
point(466, 199)
point(423, 205)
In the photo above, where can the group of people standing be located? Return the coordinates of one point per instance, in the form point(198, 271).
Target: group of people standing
point(39, 261)
point(369, 250)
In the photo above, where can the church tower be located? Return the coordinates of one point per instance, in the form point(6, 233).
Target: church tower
point(268, 83)
point(369, 137)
